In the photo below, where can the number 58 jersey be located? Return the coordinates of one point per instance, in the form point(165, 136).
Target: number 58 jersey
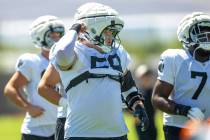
point(94, 104)
point(191, 82)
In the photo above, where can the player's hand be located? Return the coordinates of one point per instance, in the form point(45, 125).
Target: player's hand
point(78, 27)
point(142, 118)
point(83, 28)
point(34, 111)
point(195, 114)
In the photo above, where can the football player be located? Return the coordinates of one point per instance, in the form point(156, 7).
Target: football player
point(182, 88)
point(40, 120)
point(49, 80)
point(145, 79)
point(94, 75)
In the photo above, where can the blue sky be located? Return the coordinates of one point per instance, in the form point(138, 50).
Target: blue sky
point(142, 17)
point(24, 9)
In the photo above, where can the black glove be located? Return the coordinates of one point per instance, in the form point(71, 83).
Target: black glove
point(181, 109)
point(76, 27)
point(142, 115)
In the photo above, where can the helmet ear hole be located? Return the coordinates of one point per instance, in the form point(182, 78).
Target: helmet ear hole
point(98, 39)
point(44, 43)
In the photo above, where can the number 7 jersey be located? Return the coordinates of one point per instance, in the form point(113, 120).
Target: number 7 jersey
point(191, 82)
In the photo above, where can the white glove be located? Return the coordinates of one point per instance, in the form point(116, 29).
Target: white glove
point(63, 102)
point(195, 114)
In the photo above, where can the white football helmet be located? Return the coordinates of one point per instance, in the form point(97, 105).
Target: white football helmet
point(97, 18)
point(194, 30)
point(42, 27)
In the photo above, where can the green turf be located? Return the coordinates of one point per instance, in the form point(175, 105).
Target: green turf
point(10, 127)
point(159, 126)
point(132, 135)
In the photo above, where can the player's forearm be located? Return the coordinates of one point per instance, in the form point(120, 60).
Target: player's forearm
point(129, 90)
point(49, 93)
point(170, 107)
point(15, 96)
point(160, 97)
point(163, 104)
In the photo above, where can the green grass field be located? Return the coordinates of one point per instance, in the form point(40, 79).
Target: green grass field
point(132, 135)
point(10, 127)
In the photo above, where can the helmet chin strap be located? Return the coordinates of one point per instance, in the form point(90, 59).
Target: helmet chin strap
point(202, 58)
point(45, 53)
point(195, 52)
point(46, 48)
point(192, 48)
point(114, 46)
point(105, 48)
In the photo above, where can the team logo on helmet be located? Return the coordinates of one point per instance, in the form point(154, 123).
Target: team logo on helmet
point(161, 66)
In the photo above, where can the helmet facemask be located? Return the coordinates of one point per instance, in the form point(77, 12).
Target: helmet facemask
point(109, 38)
point(52, 36)
point(194, 33)
point(200, 38)
point(200, 34)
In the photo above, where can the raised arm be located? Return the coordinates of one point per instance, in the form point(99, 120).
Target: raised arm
point(64, 50)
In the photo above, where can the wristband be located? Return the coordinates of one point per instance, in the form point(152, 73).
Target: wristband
point(181, 109)
point(62, 102)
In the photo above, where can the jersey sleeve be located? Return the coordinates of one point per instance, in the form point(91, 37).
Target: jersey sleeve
point(126, 59)
point(52, 58)
point(166, 67)
point(24, 65)
point(52, 52)
point(52, 55)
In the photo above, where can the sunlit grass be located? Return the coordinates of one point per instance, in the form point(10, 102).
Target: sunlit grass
point(10, 127)
point(132, 135)
point(159, 126)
